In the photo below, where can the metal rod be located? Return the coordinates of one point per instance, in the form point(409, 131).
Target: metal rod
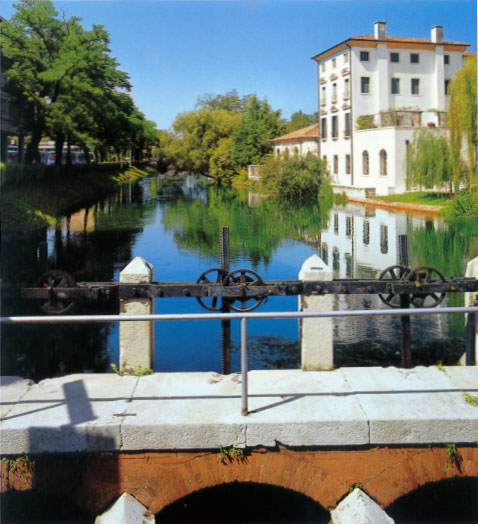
point(64, 319)
point(244, 407)
point(406, 354)
point(403, 249)
point(470, 338)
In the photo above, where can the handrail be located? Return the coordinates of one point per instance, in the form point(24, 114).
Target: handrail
point(244, 317)
point(64, 319)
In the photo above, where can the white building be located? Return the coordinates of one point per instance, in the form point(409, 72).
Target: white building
point(375, 91)
point(300, 142)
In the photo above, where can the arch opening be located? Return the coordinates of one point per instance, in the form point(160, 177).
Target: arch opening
point(244, 502)
point(446, 501)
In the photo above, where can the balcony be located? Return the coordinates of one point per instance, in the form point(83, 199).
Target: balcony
point(402, 118)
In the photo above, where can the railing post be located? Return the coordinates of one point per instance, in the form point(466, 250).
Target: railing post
point(471, 299)
point(244, 366)
point(316, 334)
point(137, 338)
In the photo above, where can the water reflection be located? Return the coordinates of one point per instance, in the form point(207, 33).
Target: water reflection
point(175, 223)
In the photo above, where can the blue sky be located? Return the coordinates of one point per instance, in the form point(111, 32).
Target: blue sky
point(178, 50)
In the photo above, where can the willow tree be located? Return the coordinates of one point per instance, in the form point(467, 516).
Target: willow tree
point(462, 123)
point(428, 161)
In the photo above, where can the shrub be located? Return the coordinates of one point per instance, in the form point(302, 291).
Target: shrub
point(293, 178)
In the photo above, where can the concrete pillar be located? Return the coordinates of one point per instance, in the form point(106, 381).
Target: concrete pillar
point(471, 299)
point(359, 507)
point(137, 338)
point(126, 510)
point(316, 336)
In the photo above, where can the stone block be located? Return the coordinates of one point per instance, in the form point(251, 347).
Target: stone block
point(358, 507)
point(126, 510)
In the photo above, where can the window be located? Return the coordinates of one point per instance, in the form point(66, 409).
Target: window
point(365, 84)
point(447, 85)
point(334, 93)
point(334, 62)
point(335, 259)
point(322, 67)
point(395, 86)
point(346, 88)
point(324, 254)
point(336, 164)
point(336, 223)
point(346, 58)
point(366, 232)
point(364, 56)
point(394, 57)
point(348, 265)
point(323, 97)
point(347, 125)
point(365, 163)
point(415, 86)
point(446, 59)
point(324, 158)
point(348, 226)
point(335, 127)
point(414, 58)
point(347, 164)
point(383, 162)
point(384, 239)
point(323, 128)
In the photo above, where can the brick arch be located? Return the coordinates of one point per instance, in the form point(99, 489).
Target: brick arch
point(271, 468)
point(324, 476)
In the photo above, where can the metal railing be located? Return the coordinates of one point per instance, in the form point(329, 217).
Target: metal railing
point(244, 317)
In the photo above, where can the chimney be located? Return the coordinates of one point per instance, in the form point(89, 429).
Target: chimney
point(437, 34)
point(380, 31)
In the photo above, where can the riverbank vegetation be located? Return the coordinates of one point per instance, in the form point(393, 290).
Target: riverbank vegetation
point(428, 198)
point(39, 203)
point(451, 161)
point(63, 84)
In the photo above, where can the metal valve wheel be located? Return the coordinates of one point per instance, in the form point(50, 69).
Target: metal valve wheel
point(57, 303)
point(245, 278)
point(424, 275)
point(394, 274)
point(215, 275)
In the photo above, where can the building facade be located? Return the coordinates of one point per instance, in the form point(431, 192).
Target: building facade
point(299, 142)
point(375, 92)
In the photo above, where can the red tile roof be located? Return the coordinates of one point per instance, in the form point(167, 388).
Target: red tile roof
point(299, 134)
point(405, 39)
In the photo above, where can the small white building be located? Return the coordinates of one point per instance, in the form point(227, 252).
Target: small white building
point(375, 92)
point(299, 142)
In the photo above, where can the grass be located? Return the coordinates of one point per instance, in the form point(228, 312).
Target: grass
point(419, 197)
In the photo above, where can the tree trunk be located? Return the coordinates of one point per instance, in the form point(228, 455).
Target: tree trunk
point(59, 141)
point(87, 153)
point(21, 145)
point(68, 150)
point(32, 154)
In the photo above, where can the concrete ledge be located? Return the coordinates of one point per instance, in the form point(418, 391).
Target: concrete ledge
point(164, 411)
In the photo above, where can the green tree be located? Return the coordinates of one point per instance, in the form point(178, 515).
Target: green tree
point(293, 178)
point(252, 141)
point(428, 161)
point(298, 120)
point(463, 124)
point(59, 67)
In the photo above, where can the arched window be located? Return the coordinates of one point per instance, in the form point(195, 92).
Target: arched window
point(365, 163)
point(383, 162)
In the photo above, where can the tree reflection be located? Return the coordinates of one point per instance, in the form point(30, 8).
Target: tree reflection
point(255, 232)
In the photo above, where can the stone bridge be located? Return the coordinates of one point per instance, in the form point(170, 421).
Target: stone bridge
point(164, 436)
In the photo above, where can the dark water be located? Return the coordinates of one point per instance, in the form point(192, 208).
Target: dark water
point(175, 224)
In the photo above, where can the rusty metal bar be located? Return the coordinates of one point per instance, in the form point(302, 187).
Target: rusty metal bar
point(112, 291)
point(406, 354)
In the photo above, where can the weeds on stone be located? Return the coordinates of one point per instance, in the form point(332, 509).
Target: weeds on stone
point(13, 463)
point(452, 457)
point(229, 454)
point(125, 370)
point(470, 399)
point(355, 486)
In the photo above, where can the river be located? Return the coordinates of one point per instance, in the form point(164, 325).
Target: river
point(174, 223)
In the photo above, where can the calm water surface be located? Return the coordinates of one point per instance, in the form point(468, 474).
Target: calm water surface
point(175, 224)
